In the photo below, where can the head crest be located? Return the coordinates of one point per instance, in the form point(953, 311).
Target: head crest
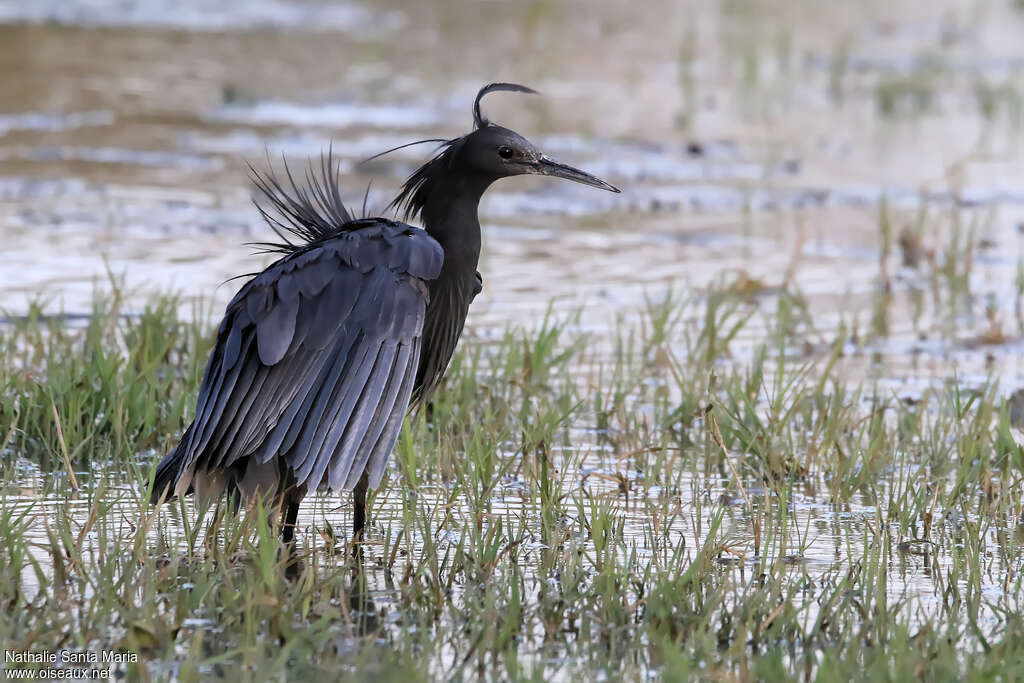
point(478, 119)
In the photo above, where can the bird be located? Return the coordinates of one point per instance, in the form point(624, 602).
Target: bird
point(320, 357)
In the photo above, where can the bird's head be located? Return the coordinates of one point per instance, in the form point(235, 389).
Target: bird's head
point(487, 153)
point(499, 152)
point(496, 151)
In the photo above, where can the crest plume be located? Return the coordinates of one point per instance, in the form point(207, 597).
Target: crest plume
point(479, 120)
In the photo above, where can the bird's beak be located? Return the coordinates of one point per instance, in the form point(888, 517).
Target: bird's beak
point(547, 166)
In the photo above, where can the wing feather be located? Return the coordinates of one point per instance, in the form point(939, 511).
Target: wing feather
point(360, 455)
point(343, 439)
point(242, 421)
point(209, 411)
point(275, 331)
point(336, 404)
point(377, 463)
point(282, 439)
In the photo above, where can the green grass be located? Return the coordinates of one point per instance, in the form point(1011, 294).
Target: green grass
point(670, 501)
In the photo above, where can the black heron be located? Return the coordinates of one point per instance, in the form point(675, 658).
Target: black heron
point(319, 357)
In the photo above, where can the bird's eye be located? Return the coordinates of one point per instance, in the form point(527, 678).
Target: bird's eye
point(506, 152)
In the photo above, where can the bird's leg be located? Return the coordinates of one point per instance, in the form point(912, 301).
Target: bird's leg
point(288, 527)
point(294, 566)
point(291, 513)
point(359, 508)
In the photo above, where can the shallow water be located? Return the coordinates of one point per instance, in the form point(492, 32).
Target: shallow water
point(755, 146)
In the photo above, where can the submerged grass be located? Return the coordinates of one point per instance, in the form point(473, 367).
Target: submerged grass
point(569, 509)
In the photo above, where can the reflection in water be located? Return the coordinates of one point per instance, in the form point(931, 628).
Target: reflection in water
point(365, 619)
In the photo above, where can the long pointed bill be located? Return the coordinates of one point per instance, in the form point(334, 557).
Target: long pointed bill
point(547, 166)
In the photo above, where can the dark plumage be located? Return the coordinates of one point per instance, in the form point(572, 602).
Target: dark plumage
point(320, 355)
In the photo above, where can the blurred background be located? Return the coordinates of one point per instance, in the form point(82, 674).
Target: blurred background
point(865, 155)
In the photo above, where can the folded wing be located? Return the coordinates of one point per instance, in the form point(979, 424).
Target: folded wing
point(315, 362)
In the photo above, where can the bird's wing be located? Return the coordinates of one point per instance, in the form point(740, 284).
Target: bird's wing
point(316, 359)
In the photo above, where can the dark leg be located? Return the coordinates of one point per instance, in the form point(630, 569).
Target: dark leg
point(291, 513)
point(359, 508)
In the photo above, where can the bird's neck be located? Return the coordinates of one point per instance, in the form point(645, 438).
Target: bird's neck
point(450, 217)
